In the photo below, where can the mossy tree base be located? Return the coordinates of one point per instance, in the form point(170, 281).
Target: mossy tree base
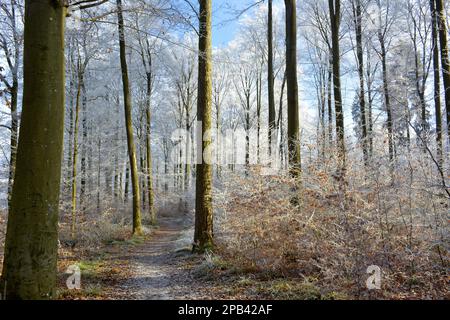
point(29, 267)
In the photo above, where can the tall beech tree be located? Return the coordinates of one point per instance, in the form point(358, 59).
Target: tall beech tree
point(147, 62)
point(80, 72)
point(12, 52)
point(244, 84)
point(80, 68)
point(292, 89)
point(442, 27)
point(270, 76)
point(357, 20)
point(335, 19)
point(29, 266)
point(419, 31)
point(382, 33)
point(203, 237)
point(437, 80)
point(137, 225)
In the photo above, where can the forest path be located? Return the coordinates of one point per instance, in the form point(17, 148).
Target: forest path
point(159, 268)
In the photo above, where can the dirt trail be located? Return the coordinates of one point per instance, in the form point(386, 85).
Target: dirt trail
point(158, 267)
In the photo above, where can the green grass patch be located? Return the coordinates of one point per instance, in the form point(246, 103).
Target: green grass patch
point(90, 291)
point(133, 241)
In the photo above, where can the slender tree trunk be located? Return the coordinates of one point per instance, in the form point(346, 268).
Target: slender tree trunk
point(70, 139)
point(83, 146)
point(387, 100)
point(335, 14)
point(330, 102)
point(14, 135)
point(157, 180)
point(99, 167)
point(271, 78)
point(247, 133)
point(442, 26)
point(108, 181)
point(292, 89)
point(437, 82)
point(14, 101)
point(179, 171)
point(166, 172)
point(117, 165)
point(142, 165)
point(370, 106)
point(323, 134)
point(203, 238)
point(420, 91)
point(218, 142)
point(408, 131)
point(357, 14)
point(121, 184)
point(116, 177)
point(29, 266)
point(137, 226)
point(127, 182)
point(187, 166)
point(151, 200)
point(370, 121)
point(258, 114)
point(90, 161)
point(281, 121)
point(75, 159)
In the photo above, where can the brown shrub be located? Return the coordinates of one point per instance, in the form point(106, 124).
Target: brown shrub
point(395, 222)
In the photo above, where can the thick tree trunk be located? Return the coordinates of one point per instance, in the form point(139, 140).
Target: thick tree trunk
point(29, 267)
point(137, 226)
point(292, 89)
point(203, 238)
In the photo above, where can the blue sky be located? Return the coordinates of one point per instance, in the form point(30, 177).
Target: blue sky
point(222, 34)
point(225, 19)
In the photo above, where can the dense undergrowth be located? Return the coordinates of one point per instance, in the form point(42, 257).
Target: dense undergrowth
point(396, 220)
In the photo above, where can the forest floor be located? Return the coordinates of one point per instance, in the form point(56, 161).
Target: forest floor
point(161, 266)
point(158, 266)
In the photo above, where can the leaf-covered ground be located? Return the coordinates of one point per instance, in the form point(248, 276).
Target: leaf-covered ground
point(161, 266)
